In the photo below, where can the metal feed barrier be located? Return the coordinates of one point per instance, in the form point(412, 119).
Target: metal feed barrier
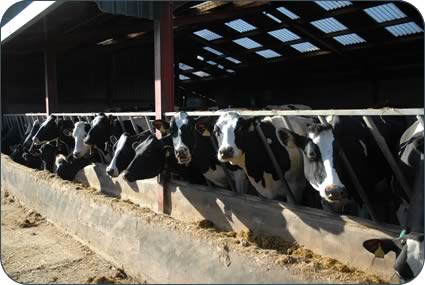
point(22, 121)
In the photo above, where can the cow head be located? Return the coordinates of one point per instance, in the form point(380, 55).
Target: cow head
point(81, 130)
point(48, 131)
point(409, 250)
point(100, 131)
point(149, 159)
point(321, 160)
point(231, 130)
point(124, 152)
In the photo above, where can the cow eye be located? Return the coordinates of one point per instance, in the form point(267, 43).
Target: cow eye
point(311, 151)
point(216, 131)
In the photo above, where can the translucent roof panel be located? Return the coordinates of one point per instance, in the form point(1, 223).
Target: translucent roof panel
point(333, 5)
point(220, 66)
point(214, 51)
point(404, 29)
point(247, 43)
point(183, 77)
point(230, 70)
point(288, 13)
point(350, 39)
point(232, 59)
point(207, 34)
point(272, 17)
point(329, 25)
point(183, 66)
point(212, 62)
point(241, 26)
point(384, 13)
point(305, 47)
point(268, 53)
point(284, 35)
point(201, 74)
point(200, 57)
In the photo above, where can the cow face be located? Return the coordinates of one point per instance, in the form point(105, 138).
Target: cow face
point(409, 251)
point(230, 130)
point(149, 160)
point(81, 130)
point(48, 131)
point(100, 131)
point(320, 161)
point(124, 152)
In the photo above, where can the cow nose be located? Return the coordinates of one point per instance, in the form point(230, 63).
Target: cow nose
point(333, 192)
point(127, 176)
point(226, 152)
point(111, 172)
point(182, 152)
point(76, 154)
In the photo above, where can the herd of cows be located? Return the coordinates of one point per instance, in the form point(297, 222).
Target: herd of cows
point(229, 153)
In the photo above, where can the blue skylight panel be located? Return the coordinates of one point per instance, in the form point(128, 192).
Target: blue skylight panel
point(333, 5)
point(183, 66)
point(350, 39)
point(207, 34)
point(288, 13)
point(201, 58)
point(232, 59)
point(284, 35)
point(214, 51)
point(201, 74)
point(384, 13)
point(305, 47)
point(183, 77)
point(268, 53)
point(329, 25)
point(230, 71)
point(272, 17)
point(404, 29)
point(247, 43)
point(240, 26)
point(220, 66)
point(211, 62)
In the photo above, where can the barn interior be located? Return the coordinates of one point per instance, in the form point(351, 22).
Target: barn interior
point(250, 54)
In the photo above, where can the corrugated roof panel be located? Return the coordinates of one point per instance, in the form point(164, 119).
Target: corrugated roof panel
point(284, 35)
point(288, 13)
point(268, 53)
point(272, 17)
point(329, 25)
point(183, 77)
point(404, 29)
point(212, 62)
point(201, 74)
point(350, 39)
point(200, 58)
point(220, 66)
point(232, 59)
point(305, 47)
point(384, 13)
point(230, 70)
point(183, 66)
point(247, 43)
point(207, 34)
point(240, 26)
point(214, 51)
point(333, 5)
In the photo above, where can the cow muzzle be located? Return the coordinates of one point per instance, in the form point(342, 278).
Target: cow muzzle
point(112, 172)
point(226, 153)
point(183, 155)
point(335, 193)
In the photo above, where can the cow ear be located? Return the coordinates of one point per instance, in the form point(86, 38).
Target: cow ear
point(248, 124)
point(290, 139)
point(379, 247)
point(67, 132)
point(135, 145)
point(203, 129)
point(161, 125)
point(111, 119)
point(113, 139)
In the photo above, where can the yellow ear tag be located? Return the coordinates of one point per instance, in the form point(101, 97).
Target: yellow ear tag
point(206, 133)
point(379, 252)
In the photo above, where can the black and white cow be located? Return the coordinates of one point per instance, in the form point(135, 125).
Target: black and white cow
point(124, 152)
point(10, 138)
point(155, 155)
point(240, 145)
point(102, 129)
point(192, 146)
point(324, 170)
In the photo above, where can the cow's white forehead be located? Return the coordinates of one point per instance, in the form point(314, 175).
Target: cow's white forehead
point(96, 120)
point(321, 136)
point(181, 119)
point(121, 141)
point(79, 129)
point(228, 119)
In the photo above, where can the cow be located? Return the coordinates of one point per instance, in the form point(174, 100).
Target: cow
point(239, 144)
point(81, 129)
point(55, 130)
point(325, 172)
point(10, 138)
point(192, 146)
point(153, 156)
point(102, 129)
point(124, 152)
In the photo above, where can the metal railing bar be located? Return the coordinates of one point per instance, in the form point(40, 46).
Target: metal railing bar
point(135, 128)
point(420, 119)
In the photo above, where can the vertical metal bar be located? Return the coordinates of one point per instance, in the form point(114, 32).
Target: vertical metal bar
point(18, 125)
point(88, 119)
point(353, 176)
point(135, 128)
point(380, 140)
point(148, 123)
point(286, 188)
point(121, 124)
point(421, 120)
point(287, 123)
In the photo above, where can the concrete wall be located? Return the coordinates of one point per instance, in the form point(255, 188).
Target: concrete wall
point(335, 236)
